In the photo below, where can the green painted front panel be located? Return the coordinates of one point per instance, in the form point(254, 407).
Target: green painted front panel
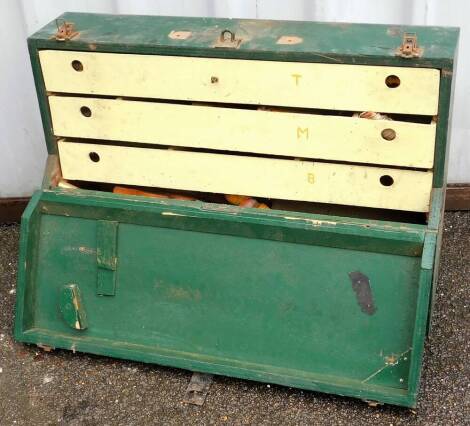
point(249, 300)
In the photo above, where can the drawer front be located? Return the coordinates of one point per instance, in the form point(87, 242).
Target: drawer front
point(310, 85)
point(262, 177)
point(256, 131)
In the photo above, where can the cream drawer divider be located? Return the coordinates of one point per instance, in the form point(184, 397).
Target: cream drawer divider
point(266, 132)
point(295, 84)
point(262, 177)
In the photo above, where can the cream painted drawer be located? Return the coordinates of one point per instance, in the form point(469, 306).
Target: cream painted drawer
point(293, 84)
point(265, 132)
point(261, 177)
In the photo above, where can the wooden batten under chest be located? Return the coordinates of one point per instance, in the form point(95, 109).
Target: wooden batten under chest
point(261, 199)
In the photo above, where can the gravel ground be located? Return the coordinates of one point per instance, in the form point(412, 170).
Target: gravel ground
point(78, 389)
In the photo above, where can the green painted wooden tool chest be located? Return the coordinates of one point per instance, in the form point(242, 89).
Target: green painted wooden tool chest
point(258, 199)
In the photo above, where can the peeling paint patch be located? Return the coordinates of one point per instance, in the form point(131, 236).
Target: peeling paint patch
point(289, 39)
point(361, 286)
point(446, 73)
point(86, 250)
point(390, 361)
point(179, 35)
point(393, 31)
point(80, 249)
point(176, 293)
point(172, 214)
point(314, 222)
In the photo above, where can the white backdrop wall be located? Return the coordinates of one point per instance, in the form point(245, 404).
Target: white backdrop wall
point(22, 147)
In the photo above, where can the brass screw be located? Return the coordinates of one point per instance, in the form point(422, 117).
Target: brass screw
point(214, 80)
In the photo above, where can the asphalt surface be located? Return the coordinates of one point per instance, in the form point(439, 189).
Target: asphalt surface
point(78, 389)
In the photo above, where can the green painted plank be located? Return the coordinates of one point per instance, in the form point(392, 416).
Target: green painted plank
point(322, 42)
point(429, 250)
point(419, 334)
point(441, 152)
point(106, 241)
point(436, 224)
point(29, 234)
point(302, 228)
point(437, 208)
point(282, 377)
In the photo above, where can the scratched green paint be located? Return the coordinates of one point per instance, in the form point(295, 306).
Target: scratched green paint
point(253, 306)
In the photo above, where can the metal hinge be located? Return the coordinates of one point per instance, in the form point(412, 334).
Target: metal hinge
point(227, 39)
point(198, 388)
point(409, 47)
point(65, 30)
point(45, 348)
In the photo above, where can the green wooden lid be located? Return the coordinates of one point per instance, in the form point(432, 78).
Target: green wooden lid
point(321, 42)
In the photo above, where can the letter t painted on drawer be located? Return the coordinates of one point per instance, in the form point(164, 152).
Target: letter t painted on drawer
point(106, 247)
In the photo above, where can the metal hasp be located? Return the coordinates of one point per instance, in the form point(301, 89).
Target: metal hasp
point(198, 388)
point(228, 40)
point(409, 47)
point(65, 30)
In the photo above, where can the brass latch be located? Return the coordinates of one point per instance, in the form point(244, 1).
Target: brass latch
point(409, 47)
point(228, 40)
point(65, 30)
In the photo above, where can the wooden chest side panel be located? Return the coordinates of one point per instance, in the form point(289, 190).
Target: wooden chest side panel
point(262, 177)
point(295, 84)
point(256, 131)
